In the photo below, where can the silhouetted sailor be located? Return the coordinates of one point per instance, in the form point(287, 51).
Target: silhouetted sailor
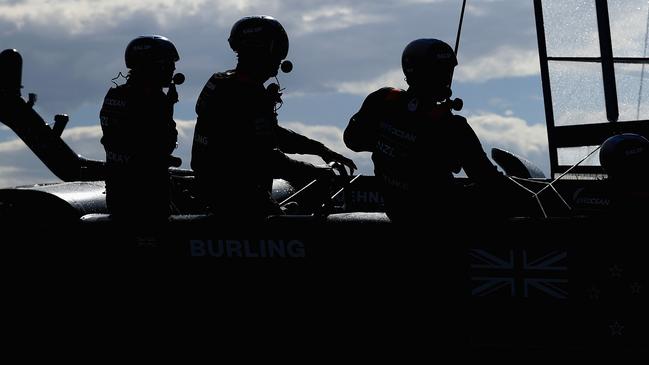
point(417, 143)
point(140, 132)
point(625, 192)
point(238, 145)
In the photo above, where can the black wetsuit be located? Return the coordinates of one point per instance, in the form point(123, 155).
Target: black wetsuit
point(416, 148)
point(239, 147)
point(139, 137)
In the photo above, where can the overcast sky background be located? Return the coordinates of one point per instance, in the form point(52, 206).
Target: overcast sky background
point(342, 50)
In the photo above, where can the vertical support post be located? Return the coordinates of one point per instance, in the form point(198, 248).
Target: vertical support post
point(545, 80)
point(608, 66)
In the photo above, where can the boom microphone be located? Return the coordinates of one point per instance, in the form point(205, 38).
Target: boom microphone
point(286, 66)
point(178, 79)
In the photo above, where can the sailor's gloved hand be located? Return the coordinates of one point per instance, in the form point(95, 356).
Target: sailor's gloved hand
point(331, 156)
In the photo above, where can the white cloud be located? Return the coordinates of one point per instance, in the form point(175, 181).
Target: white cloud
point(83, 16)
point(19, 166)
point(393, 78)
point(14, 176)
point(12, 146)
point(504, 62)
point(512, 134)
point(330, 17)
point(80, 133)
point(70, 135)
point(423, 1)
point(185, 130)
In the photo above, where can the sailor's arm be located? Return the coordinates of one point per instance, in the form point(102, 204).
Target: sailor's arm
point(475, 162)
point(291, 142)
point(362, 132)
point(285, 167)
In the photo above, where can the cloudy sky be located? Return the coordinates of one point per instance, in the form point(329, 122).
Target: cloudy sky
point(342, 50)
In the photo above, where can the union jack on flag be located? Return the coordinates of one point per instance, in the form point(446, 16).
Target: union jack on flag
point(519, 273)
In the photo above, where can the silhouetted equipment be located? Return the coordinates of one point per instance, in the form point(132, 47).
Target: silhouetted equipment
point(172, 93)
point(557, 54)
point(46, 143)
point(178, 78)
point(11, 68)
point(144, 51)
point(60, 121)
point(272, 88)
point(459, 28)
point(456, 104)
point(286, 66)
point(625, 155)
point(31, 99)
point(259, 34)
point(274, 92)
point(515, 165)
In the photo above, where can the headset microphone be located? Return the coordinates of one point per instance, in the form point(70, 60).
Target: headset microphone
point(178, 79)
point(286, 66)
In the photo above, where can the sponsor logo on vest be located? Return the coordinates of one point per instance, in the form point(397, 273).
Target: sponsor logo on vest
point(408, 136)
point(385, 149)
point(201, 139)
point(117, 157)
point(413, 104)
point(396, 183)
point(115, 102)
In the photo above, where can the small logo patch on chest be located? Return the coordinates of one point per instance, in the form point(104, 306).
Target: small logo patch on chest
point(413, 104)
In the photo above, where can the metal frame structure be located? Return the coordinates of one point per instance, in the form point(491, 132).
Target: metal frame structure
point(585, 134)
